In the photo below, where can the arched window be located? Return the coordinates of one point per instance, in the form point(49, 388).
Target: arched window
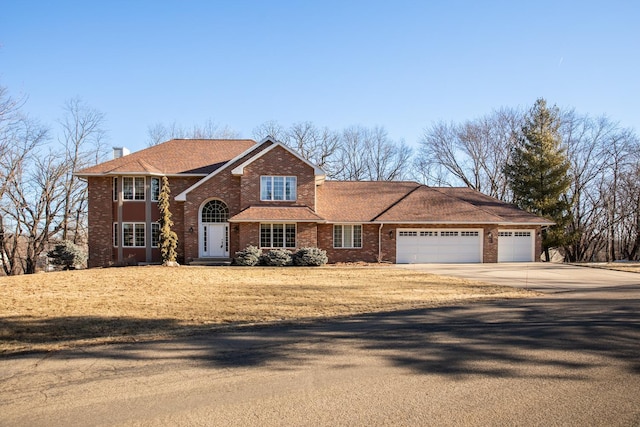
point(215, 211)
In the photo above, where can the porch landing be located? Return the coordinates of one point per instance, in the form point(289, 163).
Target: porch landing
point(210, 261)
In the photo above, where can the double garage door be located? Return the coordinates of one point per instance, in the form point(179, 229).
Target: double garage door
point(414, 246)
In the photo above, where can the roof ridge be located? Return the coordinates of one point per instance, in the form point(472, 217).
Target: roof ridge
point(397, 201)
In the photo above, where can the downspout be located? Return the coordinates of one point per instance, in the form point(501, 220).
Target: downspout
point(380, 243)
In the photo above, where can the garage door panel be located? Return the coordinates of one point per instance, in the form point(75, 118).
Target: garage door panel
point(516, 245)
point(438, 246)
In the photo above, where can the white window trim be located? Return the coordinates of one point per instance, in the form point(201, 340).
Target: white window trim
point(155, 199)
point(157, 245)
point(285, 177)
point(351, 244)
point(284, 237)
point(134, 189)
point(135, 224)
point(116, 190)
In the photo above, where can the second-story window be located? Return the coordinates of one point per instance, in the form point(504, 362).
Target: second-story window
point(278, 188)
point(133, 188)
point(155, 189)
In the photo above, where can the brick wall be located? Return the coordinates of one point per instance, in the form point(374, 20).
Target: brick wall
point(307, 235)
point(278, 162)
point(100, 218)
point(225, 187)
point(177, 186)
point(368, 252)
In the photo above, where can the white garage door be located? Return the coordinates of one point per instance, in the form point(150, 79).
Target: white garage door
point(515, 245)
point(414, 246)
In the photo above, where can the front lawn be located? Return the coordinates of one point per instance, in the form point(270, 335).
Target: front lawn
point(49, 311)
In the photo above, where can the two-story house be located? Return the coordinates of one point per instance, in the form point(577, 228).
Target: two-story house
point(228, 194)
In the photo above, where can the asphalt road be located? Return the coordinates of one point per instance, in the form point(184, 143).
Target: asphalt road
point(568, 357)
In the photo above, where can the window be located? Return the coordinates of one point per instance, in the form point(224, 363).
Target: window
point(215, 211)
point(115, 234)
point(155, 234)
point(155, 189)
point(133, 188)
point(408, 233)
point(278, 188)
point(428, 233)
point(133, 234)
point(448, 234)
point(522, 234)
point(277, 235)
point(115, 189)
point(347, 236)
point(469, 233)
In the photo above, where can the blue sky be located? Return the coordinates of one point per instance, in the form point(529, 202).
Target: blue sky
point(398, 64)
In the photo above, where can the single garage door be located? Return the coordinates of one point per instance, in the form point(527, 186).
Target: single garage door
point(515, 245)
point(414, 246)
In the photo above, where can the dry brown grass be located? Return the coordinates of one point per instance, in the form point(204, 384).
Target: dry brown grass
point(56, 310)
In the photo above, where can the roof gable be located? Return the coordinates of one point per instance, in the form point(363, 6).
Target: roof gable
point(239, 170)
point(260, 147)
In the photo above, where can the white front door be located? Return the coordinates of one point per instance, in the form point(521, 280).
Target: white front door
point(214, 240)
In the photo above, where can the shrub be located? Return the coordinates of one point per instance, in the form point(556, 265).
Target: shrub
point(250, 256)
point(310, 257)
point(277, 258)
point(68, 255)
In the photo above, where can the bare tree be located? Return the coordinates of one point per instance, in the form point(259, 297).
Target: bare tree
point(273, 129)
point(21, 137)
point(83, 141)
point(586, 141)
point(386, 160)
point(319, 146)
point(352, 154)
point(37, 207)
point(160, 132)
point(473, 153)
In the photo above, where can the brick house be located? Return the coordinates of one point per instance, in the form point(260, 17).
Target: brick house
point(227, 194)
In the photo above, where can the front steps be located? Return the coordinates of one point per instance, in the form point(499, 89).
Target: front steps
point(210, 262)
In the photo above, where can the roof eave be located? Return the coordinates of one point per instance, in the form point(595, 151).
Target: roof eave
point(182, 197)
point(278, 221)
point(433, 222)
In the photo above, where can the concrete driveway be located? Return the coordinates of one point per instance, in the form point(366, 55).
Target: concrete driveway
point(539, 276)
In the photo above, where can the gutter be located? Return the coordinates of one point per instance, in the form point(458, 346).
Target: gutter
point(380, 242)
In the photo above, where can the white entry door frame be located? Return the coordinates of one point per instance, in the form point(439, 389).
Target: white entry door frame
point(214, 240)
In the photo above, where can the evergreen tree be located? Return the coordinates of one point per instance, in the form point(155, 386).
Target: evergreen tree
point(538, 173)
point(168, 239)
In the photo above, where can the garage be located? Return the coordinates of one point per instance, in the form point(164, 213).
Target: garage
point(416, 246)
point(516, 245)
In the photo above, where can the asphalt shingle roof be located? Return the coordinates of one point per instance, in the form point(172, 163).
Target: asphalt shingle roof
point(177, 156)
point(358, 201)
point(276, 213)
